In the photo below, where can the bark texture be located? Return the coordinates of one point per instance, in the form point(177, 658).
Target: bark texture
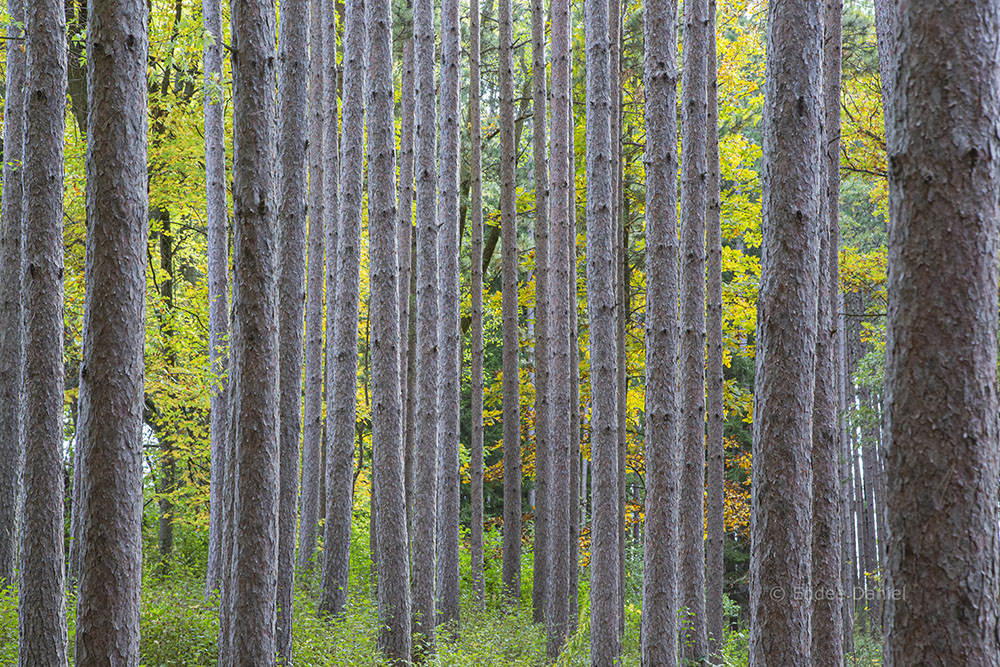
point(848, 534)
point(575, 463)
point(781, 513)
point(942, 462)
point(11, 302)
point(511, 343)
point(605, 639)
point(255, 338)
point(659, 628)
point(42, 604)
point(111, 375)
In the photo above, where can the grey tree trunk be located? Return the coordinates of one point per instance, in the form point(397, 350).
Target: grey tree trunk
point(476, 290)
point(942, 462)
point(218, 288)
point(293, 65)
point(848, 536)
point(111, 375)
point(450, 359)
point(714, 381)
point(659, 628)
point(427, 341)
point(559, 299)
point(255, 338)
point(312, 430)
point(342, 403)
point(511, 344)
point(11, 301)
point(387, 411)
point(827, 619)
point(605, 639)
point(694, 200)
point(42, 603)
point(781, 511)
point(575, 476)
point(544, 551)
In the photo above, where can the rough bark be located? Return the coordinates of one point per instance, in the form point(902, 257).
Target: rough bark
point(312, 429)
point(827, 619)
point(387, 412)
point(544, 552)
point(511, 344)
point(659, 630)
point(218, 289)
point(255, 338)
point(293, 66)
point(342, 403)
point(476, 289)
point(425, 436)
point(111, 375)
point(42, 604)
point(942, 462)
point(781, 512)
point(450, 358)
point(559, 298)
point(575, 463)
point(714, 382)
point(601, 274)
point(11, 301)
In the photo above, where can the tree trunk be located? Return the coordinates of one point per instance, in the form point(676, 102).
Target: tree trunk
point(781, 513)
point(42, 604)
point(575, 464)
point(218, 289)
point(848, 536)
point(659, 629)
point(111, 386)
point(827, 620)
point(342, 403)
point(601, 275)
point(255, 339)
point(168, 467)
point(425, 436)
point(511, 343)
point(715, 382)
point(476, 289)
point(11, 300)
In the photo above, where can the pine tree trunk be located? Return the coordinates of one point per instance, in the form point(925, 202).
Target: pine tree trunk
point(111, 386)
point(577, 474)
point(942, 462)
point(342, 403)
point(293, 67)
point(476, 289)
point(511, 343)
point(848, 536)
point(659, 628)
point(781, 512)
point(11, 299)
point(218, 289)
point(42, 604)
point(425, 436)
point(601, 277)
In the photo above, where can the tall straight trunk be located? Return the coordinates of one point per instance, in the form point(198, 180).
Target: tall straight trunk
point(342, 403)
point(511, 380)
point(942, 464)
point(387, 411)
point(11, 299)
point(559, 300)
point(111, 375)
point(425, 437)
point(601, 275)
point(868, 464)
point(229, 519)
point(781, 512)
point(827, 620)
point(476, 289)
point(714, 381)
point(576, 473)
point(449, 481)
point(694, 200)
point(293, 66)
point(218, 289)
point(409, 416)
point(659, 629)
point(167, 481)
point(312, 429)
point(42, 603)
point(849, 559)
